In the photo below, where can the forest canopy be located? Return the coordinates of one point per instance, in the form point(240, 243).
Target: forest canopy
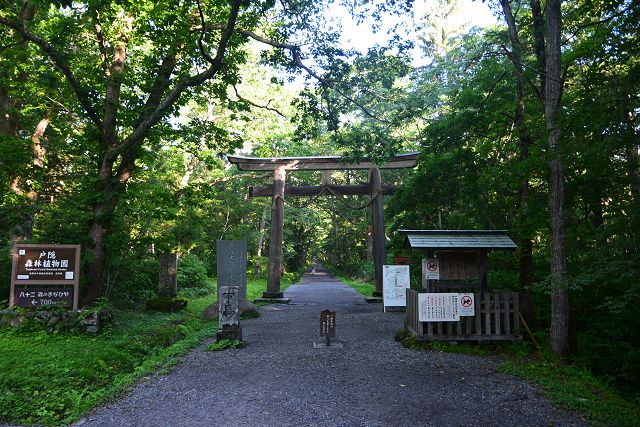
point(116, 117)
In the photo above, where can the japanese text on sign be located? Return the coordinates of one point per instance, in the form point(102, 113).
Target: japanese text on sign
point(228, 305)
point(38, 296)
point(395, 281)
point(328, 323)
point(39, 264)
point(438, 307)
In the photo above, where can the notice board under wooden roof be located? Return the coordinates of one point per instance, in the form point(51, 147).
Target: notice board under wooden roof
point(458, 239)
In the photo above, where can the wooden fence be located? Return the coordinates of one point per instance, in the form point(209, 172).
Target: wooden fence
point(497, 318)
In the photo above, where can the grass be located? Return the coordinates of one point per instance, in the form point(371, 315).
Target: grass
point(364, 288)
point(55, 379)
point(578, 390)
point(569, 387)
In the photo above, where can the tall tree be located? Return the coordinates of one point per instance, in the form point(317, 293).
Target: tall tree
point(560, 309)
point(132, 66)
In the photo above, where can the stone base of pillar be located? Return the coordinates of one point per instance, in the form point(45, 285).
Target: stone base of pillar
point(273, 300)
point(230, 332)
point(271, 295)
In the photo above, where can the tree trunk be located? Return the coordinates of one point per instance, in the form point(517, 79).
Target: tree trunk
point(261, 230)
point(538, 35)
point(560, 308)
point(633, 167)
point(24, 229)
point(103, 211)
point(524, 137)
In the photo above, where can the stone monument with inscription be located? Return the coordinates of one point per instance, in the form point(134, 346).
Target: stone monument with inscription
point(231, 256)
point(229, 316)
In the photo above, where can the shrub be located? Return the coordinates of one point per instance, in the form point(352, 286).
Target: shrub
point(192, 274)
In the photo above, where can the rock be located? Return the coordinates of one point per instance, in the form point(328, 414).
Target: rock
point(92, 329)
point(211, 312)
point(246, 307)
point(91, 320)
point(17, 321)
point(166, 304)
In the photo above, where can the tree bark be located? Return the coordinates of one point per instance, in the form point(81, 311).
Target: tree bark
point(162, 96)
point(560, 307)
point(275, 238)
point(377, 222)
point(24, 229)
point(633, 165)
point(261, 230)
point(538, 36)
point(524, 137)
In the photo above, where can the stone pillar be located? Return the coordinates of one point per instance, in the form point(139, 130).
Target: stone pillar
point(231, 262)
point(275, 240)
point(229, 314)
point(168, 277)
point(377, 227)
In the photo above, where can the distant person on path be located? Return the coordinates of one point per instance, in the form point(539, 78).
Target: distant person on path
point(313, 268)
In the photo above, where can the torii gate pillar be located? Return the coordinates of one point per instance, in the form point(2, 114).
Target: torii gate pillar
point(275, 236)
point(321, 163)
point(377, 225)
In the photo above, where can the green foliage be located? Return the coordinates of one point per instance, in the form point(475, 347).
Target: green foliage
point(132, 281)
point(166, 304)
point(365, 288)
point(192, 274)
point(55, 379)
point(578, 390)
point(225, 344)
point(571, 387)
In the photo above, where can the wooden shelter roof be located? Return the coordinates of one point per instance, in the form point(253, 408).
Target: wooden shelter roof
point(458, 239)
point(407, 160)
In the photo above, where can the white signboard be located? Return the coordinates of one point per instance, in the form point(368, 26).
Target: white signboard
point(431, 269)
point(466, 306)
point(438, 307)
point(395, 281)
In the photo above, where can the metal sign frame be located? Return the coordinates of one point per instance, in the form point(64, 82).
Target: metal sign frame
point(75, 282)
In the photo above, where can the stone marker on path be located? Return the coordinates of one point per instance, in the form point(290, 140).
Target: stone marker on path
point(229, 316)
point(231, 261)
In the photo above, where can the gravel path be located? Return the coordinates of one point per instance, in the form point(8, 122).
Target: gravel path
point(280, 379)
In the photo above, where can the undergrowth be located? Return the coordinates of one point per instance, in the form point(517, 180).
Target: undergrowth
point(360, 285)
point(54, 379)
point(570, 387)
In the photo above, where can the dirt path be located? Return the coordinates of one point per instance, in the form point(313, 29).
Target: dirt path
point(281, 379)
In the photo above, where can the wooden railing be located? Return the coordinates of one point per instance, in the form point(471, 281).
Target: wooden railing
point(497, 318)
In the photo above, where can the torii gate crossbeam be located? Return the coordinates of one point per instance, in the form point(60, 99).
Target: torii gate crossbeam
point(280, 166)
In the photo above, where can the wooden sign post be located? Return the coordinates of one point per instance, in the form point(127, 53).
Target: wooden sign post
point(45, 275)
point(328, 325)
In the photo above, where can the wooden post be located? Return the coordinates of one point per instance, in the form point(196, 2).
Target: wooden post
point(484, 267)
point(275, 240)
point(377, 223)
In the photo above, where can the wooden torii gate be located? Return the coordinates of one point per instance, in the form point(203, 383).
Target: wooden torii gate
point(279, 190)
